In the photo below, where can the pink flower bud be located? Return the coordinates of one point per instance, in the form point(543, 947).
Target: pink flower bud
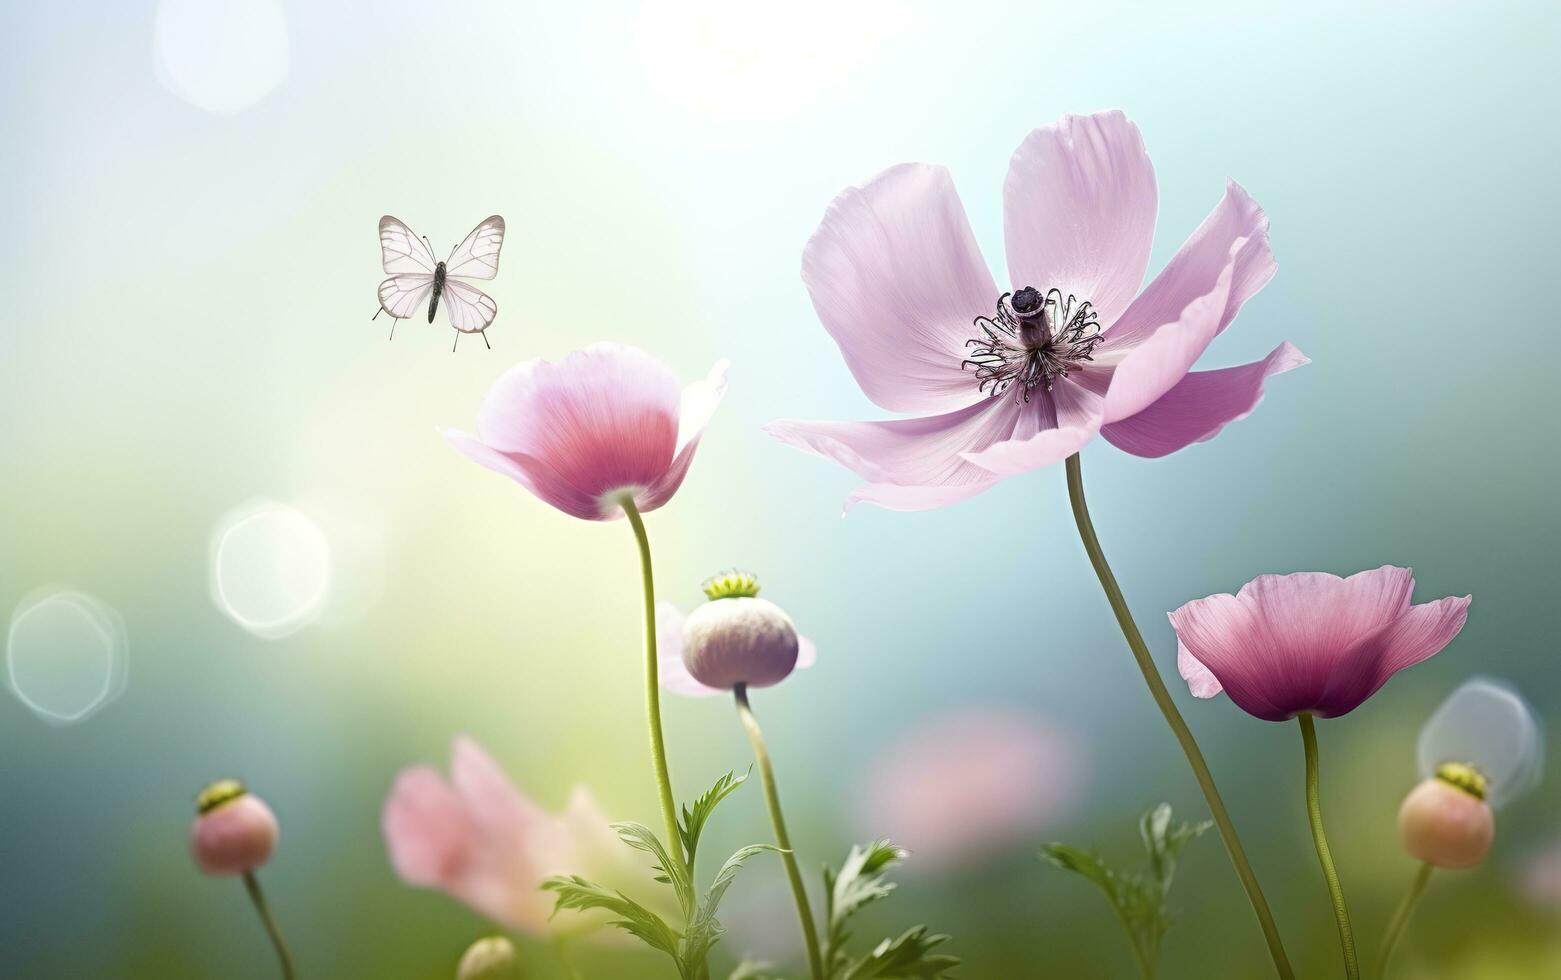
point(235, 831)
point(738, 638)
point(1446, 825)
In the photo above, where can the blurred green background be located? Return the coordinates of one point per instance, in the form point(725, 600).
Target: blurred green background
point(187, 329)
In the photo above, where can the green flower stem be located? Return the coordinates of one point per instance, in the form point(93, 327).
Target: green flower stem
point(782, 839)
point(1314, 813)
point(252, 885)
point(565, 957)
point(1406, 908)
point(658, 745)
point(1173, 717)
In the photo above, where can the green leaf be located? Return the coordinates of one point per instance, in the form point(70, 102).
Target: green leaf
point(1164, 843)
point(1138, 898)
point(642, 838)
point(694, 817)
point(911, 955)
point(705, 930)
point(860, 881)
point(575, 892)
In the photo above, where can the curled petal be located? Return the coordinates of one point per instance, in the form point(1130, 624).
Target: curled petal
point(1199, 406)
point(699, 403)
point(896, 278)
point(1235, 233)
point(1422, 632)
point(922, 456)
point(534, 475)
point(1046, 433)
point(1158, 364)
point(603, 418)
point(1200, 680)
point(1079, 210)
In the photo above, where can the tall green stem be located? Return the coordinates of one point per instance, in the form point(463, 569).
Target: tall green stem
point(1314, 813)
point(252, 885)
point(1406, 908)
point(658, 745)
point(782, 840)
point(1173, 717)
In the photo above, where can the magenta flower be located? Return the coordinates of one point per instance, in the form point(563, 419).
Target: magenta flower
point(1009, 382)
point(604, 423)
point(1310, 642)
point(480, 840)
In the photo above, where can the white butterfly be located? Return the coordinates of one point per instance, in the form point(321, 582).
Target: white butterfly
point(417, 278)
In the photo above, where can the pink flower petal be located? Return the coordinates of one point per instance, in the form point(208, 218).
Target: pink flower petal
point(1310, 641)
point(919, 452)
point(1200, 680)
point(1053, 426)
point(699, 403)
point(604, 418)
point(535, 476)
point(970, 784)
point(893, 496)
point(1199, 406)
point(1420, 633)
point(1155, 366)
point(807, 653)
point(1079, 209)
point(427, 829)
point(896, 278)
point(1192, 271)
point(1225, 636)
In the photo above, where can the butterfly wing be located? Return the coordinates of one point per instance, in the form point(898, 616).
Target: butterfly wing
point(402, 251)
point(404, 295)
point(478, 256)
point(470, 309)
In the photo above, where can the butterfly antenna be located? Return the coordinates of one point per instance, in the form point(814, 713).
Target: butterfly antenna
point(457, 342)
point(485, 339)
point(393, 328)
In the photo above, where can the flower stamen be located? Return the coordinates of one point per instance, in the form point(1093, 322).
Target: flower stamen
point(1033, 340)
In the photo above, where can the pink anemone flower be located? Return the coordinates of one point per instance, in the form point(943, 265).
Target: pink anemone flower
point(1007, 382)
point(480, 840)
point(603, 424)
point(1310, 642)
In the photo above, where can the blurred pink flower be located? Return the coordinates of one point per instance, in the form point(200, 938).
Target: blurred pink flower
point(669, 652)
point(1542, 876)
point(477, 838)
point(968, 784)
point(1007, 383)
point(1310, 641)
point(604, 421)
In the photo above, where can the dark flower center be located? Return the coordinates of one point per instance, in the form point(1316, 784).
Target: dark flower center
point(1034, 339)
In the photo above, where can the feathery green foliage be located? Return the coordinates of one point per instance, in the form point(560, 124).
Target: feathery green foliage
point(1138, 898)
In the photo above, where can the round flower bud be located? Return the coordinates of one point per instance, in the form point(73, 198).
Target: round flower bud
point(234, 833)
point(492, 958)
point(1445, 820)
point(738, 638)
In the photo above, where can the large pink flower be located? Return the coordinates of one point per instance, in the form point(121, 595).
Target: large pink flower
point(604, 422)
point(477, 838)
point(1310, 642)
point(1006, 382)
